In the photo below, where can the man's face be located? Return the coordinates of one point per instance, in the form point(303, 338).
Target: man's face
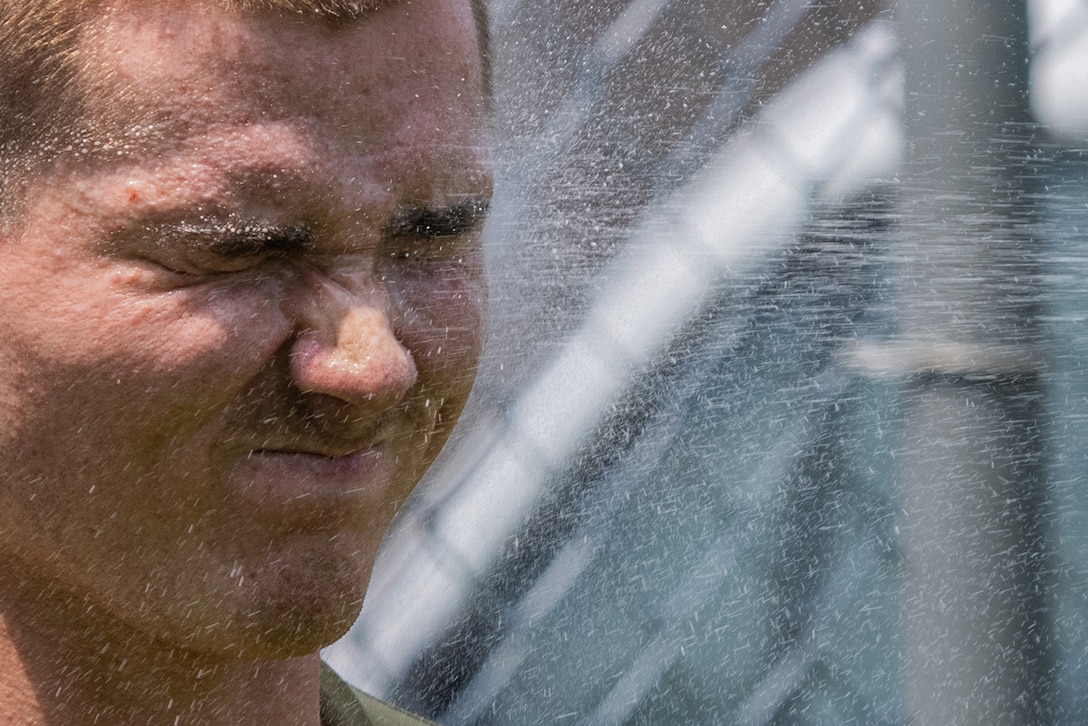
point(238, 320)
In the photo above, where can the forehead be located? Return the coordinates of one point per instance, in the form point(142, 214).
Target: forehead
point(155, 70)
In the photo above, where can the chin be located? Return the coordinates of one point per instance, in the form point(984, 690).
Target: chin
point(295, 604)
point(300, 633)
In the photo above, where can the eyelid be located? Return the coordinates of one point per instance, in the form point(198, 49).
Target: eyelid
point(210, 247)
point(233, 241)
point(428, 222)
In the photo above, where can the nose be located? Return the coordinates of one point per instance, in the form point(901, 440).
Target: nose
point(346, 347)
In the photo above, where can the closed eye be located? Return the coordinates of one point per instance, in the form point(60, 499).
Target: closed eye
point(198, 249)
point(428, 222)
point(247, 241)
point(427, 235)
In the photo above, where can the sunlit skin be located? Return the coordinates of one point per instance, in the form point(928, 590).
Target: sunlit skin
point(234, 339)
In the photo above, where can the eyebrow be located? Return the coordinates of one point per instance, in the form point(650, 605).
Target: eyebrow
point(451, 221)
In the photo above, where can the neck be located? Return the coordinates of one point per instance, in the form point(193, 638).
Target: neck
point(62, 661)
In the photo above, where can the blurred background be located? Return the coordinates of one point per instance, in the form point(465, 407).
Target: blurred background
point(783, 417)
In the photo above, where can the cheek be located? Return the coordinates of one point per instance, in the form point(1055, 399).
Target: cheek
point(213, 338)
point(440, 320)
point(119, 396)
point(157, 366)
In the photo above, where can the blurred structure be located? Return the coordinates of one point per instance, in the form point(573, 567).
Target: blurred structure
point(970, 355)
point(746, 374)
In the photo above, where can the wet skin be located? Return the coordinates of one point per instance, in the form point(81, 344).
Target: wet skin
point(236, 332)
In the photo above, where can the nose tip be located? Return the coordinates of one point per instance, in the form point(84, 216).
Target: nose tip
point(348, 349)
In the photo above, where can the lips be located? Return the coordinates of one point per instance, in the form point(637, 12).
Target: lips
point(300, 489)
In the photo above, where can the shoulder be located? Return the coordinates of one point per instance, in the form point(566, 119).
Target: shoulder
point(341, 705)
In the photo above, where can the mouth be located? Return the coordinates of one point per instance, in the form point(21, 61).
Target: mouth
point(303, 487)
point(317, 454)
